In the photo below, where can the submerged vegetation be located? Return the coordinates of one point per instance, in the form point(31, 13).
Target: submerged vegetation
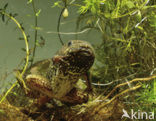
point(125, 58)
point(128, 49)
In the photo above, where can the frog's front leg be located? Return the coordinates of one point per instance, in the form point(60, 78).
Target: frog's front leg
point(40, 84)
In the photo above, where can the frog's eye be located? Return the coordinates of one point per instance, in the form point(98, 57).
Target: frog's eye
point(69, 43)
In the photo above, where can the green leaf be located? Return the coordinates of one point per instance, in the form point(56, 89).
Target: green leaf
point(129, 4)
point(5, 6)
point(138, 16)
point(3, 17)
point(56, 4)
point(29, 1)
point(139, 27)
point(39, 11)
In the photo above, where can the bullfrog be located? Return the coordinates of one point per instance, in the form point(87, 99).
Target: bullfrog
point(57, 76)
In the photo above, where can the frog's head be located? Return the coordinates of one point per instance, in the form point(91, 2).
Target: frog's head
point(75, 57)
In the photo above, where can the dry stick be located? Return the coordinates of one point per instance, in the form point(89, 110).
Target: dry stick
point(27, 53)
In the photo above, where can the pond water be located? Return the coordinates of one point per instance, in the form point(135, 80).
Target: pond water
point(11, 52)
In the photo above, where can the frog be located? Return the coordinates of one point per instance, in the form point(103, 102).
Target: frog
point(56, 77)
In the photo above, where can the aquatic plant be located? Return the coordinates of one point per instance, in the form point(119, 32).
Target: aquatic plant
point(128, 48)
point(125, 59)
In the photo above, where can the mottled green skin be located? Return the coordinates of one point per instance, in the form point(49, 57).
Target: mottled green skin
point(57, 76)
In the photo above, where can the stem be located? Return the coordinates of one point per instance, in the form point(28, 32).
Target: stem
point(27, 52)
point(9, 90)
point(25, 38)
point(58, 26)
point(59, 21)
point(36, 24)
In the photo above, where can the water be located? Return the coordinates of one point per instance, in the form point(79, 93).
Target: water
point(10, 46)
